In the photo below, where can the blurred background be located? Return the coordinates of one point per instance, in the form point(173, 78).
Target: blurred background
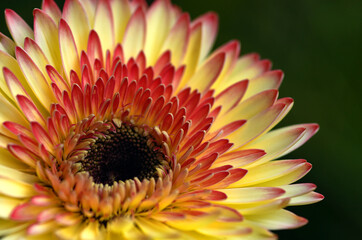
point(318, 45)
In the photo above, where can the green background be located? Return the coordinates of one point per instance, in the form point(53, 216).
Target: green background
point(318, 46)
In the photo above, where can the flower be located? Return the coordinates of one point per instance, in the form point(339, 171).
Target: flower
point(117, 123)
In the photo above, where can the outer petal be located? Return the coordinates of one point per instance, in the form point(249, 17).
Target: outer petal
point(158, 27)
point(204, 77)
point(68, 50)
point(271, 171)
point(192, 54)
point(280, 219)
point(280, 142)
point(75, 15)
point(7, 204)
point(18, 28)
point(266, 81)
point(178, 38)
point(7, 45)
point(35, 78)
point(52, 9)
point(9, 112)
point(251, 194)
point(46, 36)
point(134, 37)
point(120, 8)
point(103, 25)
point(210, 24)
point(16, 189)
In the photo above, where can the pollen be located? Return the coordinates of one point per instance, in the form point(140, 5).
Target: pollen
point(121, 154)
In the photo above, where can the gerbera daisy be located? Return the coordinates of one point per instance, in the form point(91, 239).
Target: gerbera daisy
point(118, 123)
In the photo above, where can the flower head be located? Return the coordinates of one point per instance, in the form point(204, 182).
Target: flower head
point(118, 123)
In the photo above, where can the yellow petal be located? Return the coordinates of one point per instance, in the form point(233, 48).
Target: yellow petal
point(134, 37)
point(15, 188)
point(177, 40)
point(158, 27)
point(35, 78)
point(308, 198)
point(268, 80)
point(121, 224)
point(269, 171)
point(204, 77)
point(279, 219)
point(7, 45)
point(17, 175)
point(103, 25)
point(68, 50)
point(7, 204)
point(18, 28)
point(9, 113)
point(209, 22)
point(46, 36)
point(250, 194)
point(155, 229)
point(192, 54)
point(256, 126)
point(76, 17)
point(247, 108)
point(121, 13)
point(8, 160)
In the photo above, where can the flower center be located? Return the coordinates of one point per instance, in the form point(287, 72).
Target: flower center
point(124, 153)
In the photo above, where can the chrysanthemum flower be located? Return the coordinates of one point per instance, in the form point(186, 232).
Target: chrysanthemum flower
point(117, 123)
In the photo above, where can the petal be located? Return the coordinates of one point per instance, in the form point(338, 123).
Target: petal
point(198, 219)
point(17, 175)
point(299, 189)
point(30, 110)
point(192, 54)
point(263, 208)
point(68, 49)
point(35, 78)
point(16, 189)
point(120, 8)
point(231, 96)
point(46, 36)
point(52, 9)
point(251, 194)
point(266, 81)
point(9, 112)
point(135, 35)
point(155, 229)
point(103, 25)
point(8, 160)
point(91, 231)
point(210, 24)
point(18, 28)
point(280, 142)
point(41, 228)
point(7, 45)
point(177, 40)
point(290, 176)
point(247, 108)
point(10, 63)
point(257, 125)
point(7, 204)
point(280, 219)
point(158, 27)
point(271, 171)
point(204, 76)
point(76, 18)
point(231, 50)
point(308, 198)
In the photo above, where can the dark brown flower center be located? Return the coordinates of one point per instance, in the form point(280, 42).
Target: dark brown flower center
point(125, 153)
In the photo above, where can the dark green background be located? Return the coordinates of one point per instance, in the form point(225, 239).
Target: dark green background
point(318, 46)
